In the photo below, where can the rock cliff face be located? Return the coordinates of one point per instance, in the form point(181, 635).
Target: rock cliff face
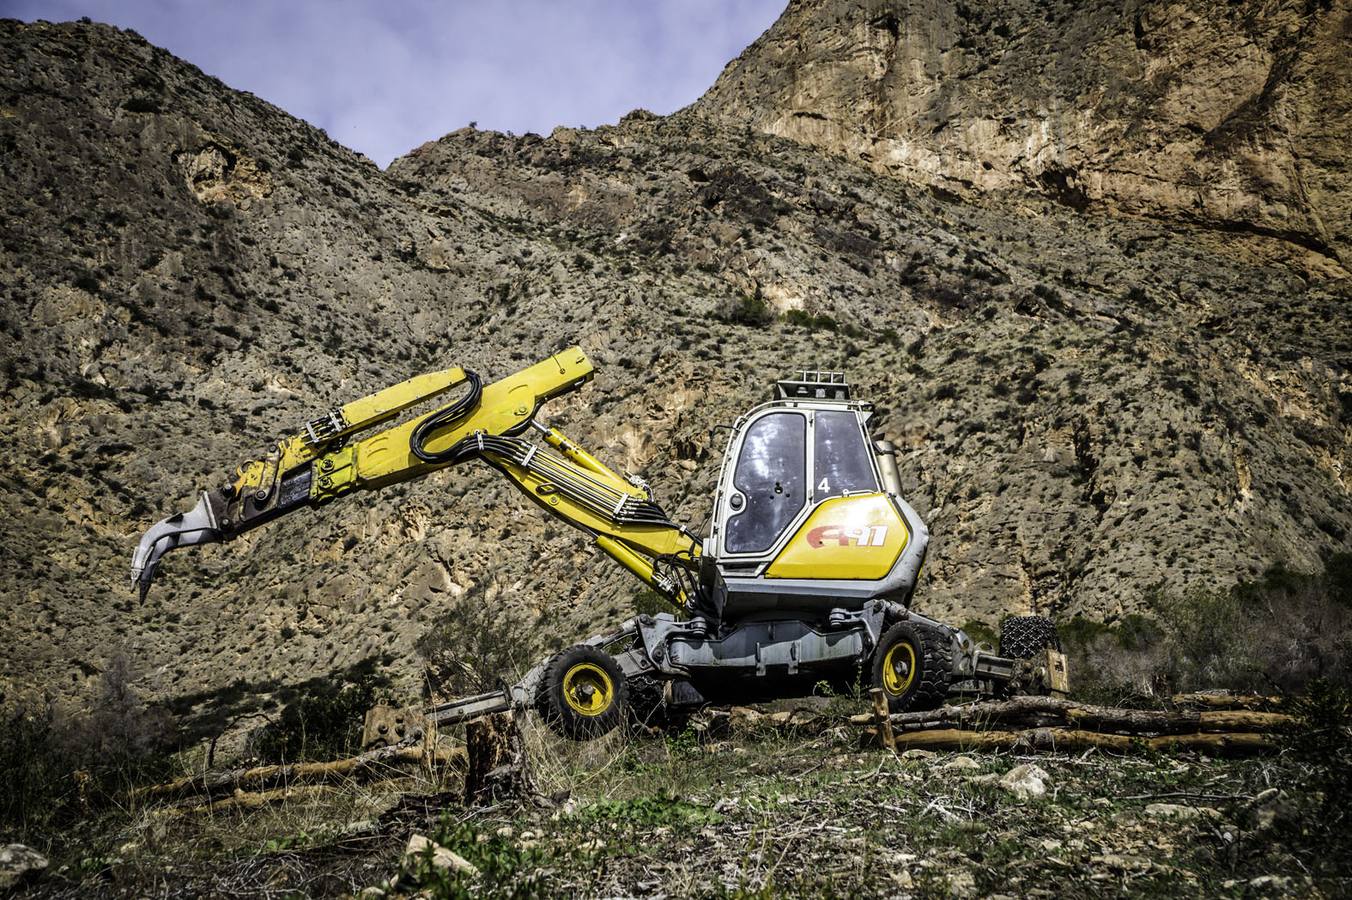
point(1088, 405)
point(1235, 115)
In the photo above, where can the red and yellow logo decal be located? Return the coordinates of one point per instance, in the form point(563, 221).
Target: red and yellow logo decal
point(844, 536)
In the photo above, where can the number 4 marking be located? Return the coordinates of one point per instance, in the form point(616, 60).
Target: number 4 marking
point(823, 487)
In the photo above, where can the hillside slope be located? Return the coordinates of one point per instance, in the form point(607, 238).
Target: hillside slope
point(1087, 405)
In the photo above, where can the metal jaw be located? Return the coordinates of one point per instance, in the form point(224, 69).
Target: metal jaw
point(197, 526)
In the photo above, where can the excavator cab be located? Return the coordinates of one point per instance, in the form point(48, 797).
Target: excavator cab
point(808, 515)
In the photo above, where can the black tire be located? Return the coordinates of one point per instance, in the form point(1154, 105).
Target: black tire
point(1024, 637)
point(932, 652)
point(572, 681)
point(648, 706)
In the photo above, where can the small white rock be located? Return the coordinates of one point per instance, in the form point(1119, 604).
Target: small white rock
point(1025, 781)
point(441, 857)
point(1275, 883)
point(962, 884)
point(962, 763)
point(1178, 813)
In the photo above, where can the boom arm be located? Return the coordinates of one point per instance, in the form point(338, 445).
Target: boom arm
point(324, 461)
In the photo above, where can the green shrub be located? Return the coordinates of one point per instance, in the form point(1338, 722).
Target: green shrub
point(60, 766)
point(813, 322)
point(981, 632)
point(1280, 633)
point(1324, 738)
point(649, 602)
point(748, 309)
point(476, 644)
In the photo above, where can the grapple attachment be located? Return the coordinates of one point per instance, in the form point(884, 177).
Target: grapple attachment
point(200, 525)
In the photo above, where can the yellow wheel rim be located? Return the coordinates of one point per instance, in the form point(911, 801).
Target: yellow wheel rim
point(899, 668)
point(588, 690)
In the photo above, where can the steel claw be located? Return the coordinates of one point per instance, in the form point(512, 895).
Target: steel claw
point(197, 526)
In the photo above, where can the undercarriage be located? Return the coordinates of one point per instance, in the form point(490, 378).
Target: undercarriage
point(756, 659)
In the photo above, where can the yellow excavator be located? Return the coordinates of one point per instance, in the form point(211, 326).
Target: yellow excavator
point(805, 575)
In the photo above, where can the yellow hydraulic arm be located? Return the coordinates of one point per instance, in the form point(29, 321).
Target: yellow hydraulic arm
point(493, 422)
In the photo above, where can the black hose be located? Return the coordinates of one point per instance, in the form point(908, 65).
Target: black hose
point(442, 418)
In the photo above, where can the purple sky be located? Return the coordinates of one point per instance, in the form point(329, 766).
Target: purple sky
point(383, 77)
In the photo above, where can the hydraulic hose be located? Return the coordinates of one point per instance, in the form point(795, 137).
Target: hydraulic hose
point(442, 418)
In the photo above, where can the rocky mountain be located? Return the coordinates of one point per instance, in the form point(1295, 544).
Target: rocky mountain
point(1089, 403)
point(1236, 116)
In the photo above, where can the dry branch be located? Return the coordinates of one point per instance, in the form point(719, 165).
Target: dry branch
point(371, 766)
point(248, 801)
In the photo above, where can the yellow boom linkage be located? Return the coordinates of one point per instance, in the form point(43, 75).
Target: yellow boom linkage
point(324, 461)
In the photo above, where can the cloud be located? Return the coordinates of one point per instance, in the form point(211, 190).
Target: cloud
point(383, 78)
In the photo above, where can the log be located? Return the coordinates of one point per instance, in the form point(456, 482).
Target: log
point(498, 768)
point(1217, 744)
point(1031, 712)
point(981, 713)
point(247, 801)
point(1142, 721)
point(1075, 740)
point(1132, 721)
point(1029, 739)
point(880, 713)
point(1225, 700)
point(1240, 720)
point(371, 766)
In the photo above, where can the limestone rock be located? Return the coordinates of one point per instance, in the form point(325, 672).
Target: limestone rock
point(442, 858)
point(19, 863)
point(1237, 117)
point(221, 173)
point(961, 763)
point(1179, 813)
point(1026, 782)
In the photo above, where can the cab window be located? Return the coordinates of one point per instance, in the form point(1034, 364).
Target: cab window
point(840, 461)
point(771, 476)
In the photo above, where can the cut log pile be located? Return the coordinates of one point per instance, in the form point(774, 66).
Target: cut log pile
point(1226, 725)
point(497, 769)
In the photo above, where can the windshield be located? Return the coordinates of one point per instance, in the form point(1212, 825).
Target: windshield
point(840, 457)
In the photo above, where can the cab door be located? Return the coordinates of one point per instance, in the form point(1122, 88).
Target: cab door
point(768, 488)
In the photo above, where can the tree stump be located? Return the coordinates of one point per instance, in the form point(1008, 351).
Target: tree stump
point(499, 770)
